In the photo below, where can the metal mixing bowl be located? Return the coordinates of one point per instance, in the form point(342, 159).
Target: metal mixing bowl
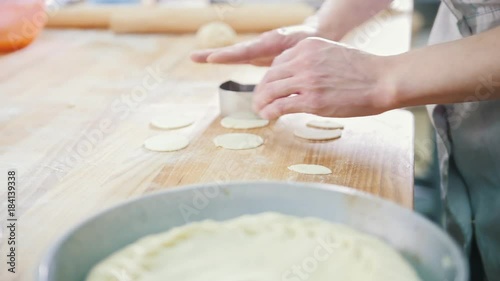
point(431, 251)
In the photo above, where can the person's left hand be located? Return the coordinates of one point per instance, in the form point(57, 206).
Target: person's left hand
point(325, 78)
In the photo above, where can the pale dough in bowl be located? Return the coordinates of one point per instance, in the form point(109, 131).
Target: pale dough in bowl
point(262, 247)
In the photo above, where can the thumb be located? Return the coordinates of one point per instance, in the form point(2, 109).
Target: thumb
point(201, 55)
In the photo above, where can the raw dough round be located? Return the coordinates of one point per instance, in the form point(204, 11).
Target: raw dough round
point(325, 124)
point(315, 134)
point(309, 169)
point(243, 121)
point(171, 122)
point(262, 247)
point(164, 143)
point(238, 141)
point(215, 34)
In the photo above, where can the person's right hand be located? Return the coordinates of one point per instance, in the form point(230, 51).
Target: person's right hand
point(260, 51)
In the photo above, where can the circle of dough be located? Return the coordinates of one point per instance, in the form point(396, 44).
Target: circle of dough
point(238, 123)
point(238, 141)
point(171, 122)
point(261, 247)
point(310, 169)
point(325, 124)
point(215, 34)
point(315, 134)
point(165, 143)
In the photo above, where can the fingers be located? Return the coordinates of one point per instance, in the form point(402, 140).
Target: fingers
point(265, 61)
point(237, 53)
point(269, 92)
point(267, 45)
point(240, 52)
point(276, 73)
point(260, 51)
point(201, 55)
point(285, 56)
point(280, 69)
point(278, 82)
point(283, 106)
point(226, 55)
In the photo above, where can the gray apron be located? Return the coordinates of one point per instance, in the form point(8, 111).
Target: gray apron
point(468, 140)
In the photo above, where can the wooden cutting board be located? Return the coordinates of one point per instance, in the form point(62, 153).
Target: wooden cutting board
point(374, 155)
point(74, 115)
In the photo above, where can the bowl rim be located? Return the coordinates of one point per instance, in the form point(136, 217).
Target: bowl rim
point(42, 270)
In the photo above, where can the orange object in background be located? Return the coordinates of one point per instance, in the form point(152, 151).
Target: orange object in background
point(20, 23)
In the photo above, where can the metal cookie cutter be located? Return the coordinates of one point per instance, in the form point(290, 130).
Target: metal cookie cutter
point(235, 97)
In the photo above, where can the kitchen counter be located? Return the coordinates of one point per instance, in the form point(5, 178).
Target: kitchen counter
point(76, 107)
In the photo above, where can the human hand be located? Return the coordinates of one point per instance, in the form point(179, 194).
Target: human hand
point(325, 78)
point(260, 51)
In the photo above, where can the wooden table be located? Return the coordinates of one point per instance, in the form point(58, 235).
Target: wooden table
point(75, 111)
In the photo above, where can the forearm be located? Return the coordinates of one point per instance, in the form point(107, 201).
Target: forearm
point(460, 71)
point(337, 17)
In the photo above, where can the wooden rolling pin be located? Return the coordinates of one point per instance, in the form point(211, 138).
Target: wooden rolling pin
point(159, 19)
point(81, 16)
